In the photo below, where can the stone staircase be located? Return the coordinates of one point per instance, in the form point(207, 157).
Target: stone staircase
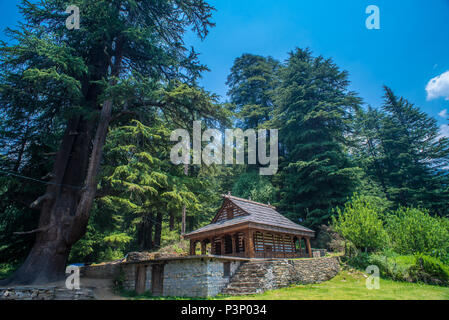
point(248, 280)
point(258, 276)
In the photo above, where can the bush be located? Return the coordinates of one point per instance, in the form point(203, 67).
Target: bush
point(329, 239)
point(414, 231)
point(389, 267)
point(430, 270)
point(360, 223)
point(7, 269)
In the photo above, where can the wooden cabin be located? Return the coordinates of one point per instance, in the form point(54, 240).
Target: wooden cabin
point(247, 229)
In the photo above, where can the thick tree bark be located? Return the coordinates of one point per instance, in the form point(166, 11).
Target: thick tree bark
point(146, 232)
point(54, 238)
point(69, 197)
point(158, 231)
point(172, 221)
point(66, 206)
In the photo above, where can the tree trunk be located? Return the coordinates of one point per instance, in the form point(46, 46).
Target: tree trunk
point(67, 203)
point(59, 227)
point(184, 209)
point(65, 208)
point(172, 221)
point(158, 231)
point(146, 232)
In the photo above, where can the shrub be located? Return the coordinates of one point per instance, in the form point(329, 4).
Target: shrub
point(7, 269)
point(430, 270)
point(360, 223)
point(329, 239)
point(389, 267)
point(413, 231)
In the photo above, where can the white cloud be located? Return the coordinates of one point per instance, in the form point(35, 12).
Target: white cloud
point(444, 114)
point(438, 87)
point(444, 130)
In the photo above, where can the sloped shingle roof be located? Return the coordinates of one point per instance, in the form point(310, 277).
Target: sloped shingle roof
point(257, 213)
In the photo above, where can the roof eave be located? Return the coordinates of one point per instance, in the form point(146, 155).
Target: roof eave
point(253, 225)
point(269, 227)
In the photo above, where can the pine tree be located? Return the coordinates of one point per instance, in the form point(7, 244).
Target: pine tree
point(251, 84)
point(85, 79)
point(406, 154)
point(314, 112)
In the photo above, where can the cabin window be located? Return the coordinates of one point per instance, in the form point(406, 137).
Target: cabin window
point(228, 244)
point(226, 269)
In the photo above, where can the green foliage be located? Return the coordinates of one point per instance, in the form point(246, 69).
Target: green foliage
point(414, 231)
point(430, 270)
point(7, 269)
point(361, 224)
point(119, 282)
point(252, 185)
point(50, 75)
point(252, 82)
point(402, 152)
point(314, 111)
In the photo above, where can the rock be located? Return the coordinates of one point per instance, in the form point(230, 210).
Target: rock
point(139, 256)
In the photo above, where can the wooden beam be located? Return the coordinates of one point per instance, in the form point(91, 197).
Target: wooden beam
point(212, 246)
point(203, 247)
point(192, 248)
point(234, 244)
point(252, 252)
point(248, 225)
point(309, 248)
point(223, 248)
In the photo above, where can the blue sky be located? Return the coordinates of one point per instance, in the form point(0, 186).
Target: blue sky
point(410, 49)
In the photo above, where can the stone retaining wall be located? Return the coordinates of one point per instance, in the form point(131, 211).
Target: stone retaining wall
point(104, 271)
point(283, 273)
point(256, 277)
point(50, 293)
point(194, 277)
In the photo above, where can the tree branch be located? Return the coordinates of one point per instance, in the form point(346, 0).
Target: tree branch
point(33, 231)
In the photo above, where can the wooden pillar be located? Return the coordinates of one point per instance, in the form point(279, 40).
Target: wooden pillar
point(203, 247)
point(223, 248)
point(300, 246)
point(234, 243)
point(283, 245)
point(212, 246)
point(309, 248)
point(293, 244)
point(192, 248)
point(251, 249)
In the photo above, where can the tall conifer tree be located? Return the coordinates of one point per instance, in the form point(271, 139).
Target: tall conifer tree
point(314, 112)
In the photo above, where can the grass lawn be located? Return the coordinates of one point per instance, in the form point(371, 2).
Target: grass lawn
point(352, 286)
point(346, 286)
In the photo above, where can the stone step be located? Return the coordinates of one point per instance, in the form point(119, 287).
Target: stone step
point(254, 284)
point(249, 276)
point(247, 280)
point(249, 291)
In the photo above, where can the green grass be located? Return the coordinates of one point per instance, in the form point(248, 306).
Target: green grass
point(352, 286)
point(346, 286)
